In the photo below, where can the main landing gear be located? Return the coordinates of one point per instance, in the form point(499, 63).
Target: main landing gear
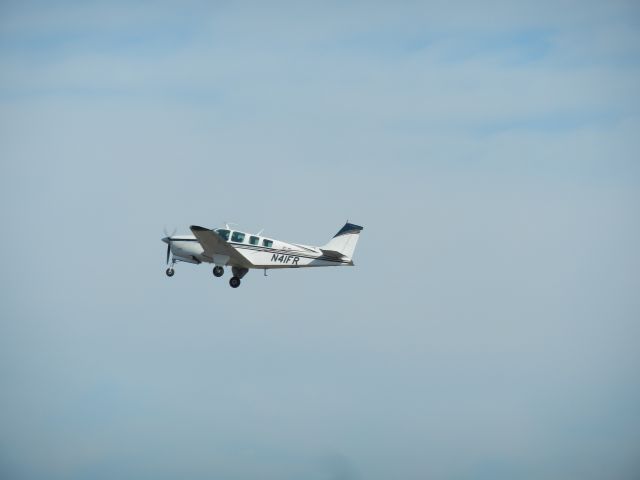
point(218, 271)
point(238, 273)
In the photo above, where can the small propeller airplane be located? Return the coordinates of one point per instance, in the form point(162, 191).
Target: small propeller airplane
point(244, 251)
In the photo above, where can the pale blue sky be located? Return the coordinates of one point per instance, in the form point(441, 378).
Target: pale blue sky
point(491, 326)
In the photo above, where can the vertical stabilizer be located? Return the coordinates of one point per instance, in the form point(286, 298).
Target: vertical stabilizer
point(344, 242)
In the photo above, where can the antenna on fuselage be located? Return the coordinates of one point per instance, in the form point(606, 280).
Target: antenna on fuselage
point(260, 232)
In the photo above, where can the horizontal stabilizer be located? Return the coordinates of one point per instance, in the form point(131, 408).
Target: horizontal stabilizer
point(333, 254)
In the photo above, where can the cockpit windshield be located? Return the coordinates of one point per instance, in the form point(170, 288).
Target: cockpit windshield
point(223, 233)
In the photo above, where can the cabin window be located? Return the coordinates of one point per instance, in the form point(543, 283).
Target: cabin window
point(254, 240)
point(267, 243)
point(223, 233)
point(237, 237)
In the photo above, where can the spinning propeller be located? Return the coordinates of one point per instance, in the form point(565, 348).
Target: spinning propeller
point(168, 240)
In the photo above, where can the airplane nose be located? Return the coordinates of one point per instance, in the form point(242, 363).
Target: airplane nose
point(166, 240)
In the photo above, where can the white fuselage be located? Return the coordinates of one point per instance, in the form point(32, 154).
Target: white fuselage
point(279, 254)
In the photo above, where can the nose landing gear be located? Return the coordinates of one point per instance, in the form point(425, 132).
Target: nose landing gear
point(234, 282)
point(170, 271)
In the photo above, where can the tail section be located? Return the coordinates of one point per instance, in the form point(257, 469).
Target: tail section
point(344, 242)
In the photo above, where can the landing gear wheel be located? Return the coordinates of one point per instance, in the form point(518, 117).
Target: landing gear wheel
point(218, 271)
point(234, 282)
point(170, 272)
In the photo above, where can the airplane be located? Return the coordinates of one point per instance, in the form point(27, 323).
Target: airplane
point(244, 251)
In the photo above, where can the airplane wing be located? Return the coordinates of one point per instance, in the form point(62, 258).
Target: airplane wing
point(214, 245)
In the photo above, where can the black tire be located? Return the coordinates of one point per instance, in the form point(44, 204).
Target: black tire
point(170, 272)
point(234, 282)
point(218, 271)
